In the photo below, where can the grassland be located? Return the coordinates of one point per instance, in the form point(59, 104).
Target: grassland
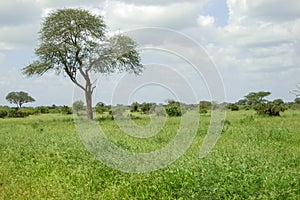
point(42, 157)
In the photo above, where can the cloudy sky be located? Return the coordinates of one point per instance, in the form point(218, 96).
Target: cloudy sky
point(254, 44)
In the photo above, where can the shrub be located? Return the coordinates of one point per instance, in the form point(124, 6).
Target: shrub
point(78, 106)
point(271, 108)
point(117, 111)
point(134, 107)
point(203, 111)
point(101, 108)
point(233, 107)
point(13, 113)
point(66, 110)
point(42, 109)
point(160, 111)
point(173, 109)
point(3, 113)
point(147, 108)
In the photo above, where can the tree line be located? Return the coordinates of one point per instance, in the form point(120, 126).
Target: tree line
point(253, 101)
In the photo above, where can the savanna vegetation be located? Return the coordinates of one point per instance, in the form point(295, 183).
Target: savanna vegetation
point(256, 157)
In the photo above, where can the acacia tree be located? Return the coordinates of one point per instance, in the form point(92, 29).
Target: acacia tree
point(75, 42)
point(256, 98)
point(19, 98)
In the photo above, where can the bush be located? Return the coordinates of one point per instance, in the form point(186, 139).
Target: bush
point(66, 110)
point(78, 106)
point(147, 108)
point(101, 108)
point(205, 105)
point(203, 111)
point(173, 109)
point(42, 109)
point(3, 113)
point(233, 107)
point(160, 111)
point(271, 108)
point(17, 113)
point(134, 107)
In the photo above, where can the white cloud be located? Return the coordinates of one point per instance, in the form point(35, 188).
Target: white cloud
point(206, 20)
point(177, 15)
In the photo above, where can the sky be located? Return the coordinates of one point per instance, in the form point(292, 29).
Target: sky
point(251, 45)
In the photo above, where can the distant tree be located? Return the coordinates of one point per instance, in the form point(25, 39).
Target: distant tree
point(74, 42)
point(147, 108)
point(134, 107)
point(66, 110)
point(297, 100)
point(233, 107)
point(256, 97)
point(205, 105)
point(242, 102)
point(78, 105)
point(19, 98)
point(272, 108)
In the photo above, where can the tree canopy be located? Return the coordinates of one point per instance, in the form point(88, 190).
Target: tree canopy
point(254, 98)
point(19, 98)
point(75, 42)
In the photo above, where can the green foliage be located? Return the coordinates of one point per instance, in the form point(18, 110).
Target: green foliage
point(3, 112)
point(297, 100)
point(101, 108)
point(271, 108)
point(233, 107)
point(117, 111)
point(14, 113)
point(254, 99)
point(78, 106)
point(74, 42)
point(203, 111)
point(134, 107)
point(173, 109)
point(43, 158)
point(19, 98)
point(206, 105)
point(42, 109)
point(147, 108)
point(160, 111)
point(66, 110)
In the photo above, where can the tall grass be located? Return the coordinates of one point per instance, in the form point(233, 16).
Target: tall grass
point(42, 157)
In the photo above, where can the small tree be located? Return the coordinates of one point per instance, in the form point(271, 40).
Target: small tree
point(254, 99)
point(19, 98)
point(134, 107)
point(78, 106)
point(74, 42)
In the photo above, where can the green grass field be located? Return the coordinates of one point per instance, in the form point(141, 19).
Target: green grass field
point(42, 157)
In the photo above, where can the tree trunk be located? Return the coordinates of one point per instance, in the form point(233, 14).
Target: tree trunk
point(89, 108)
